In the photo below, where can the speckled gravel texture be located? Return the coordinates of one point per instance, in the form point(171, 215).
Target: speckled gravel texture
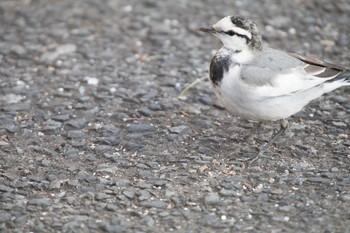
point(94, 139)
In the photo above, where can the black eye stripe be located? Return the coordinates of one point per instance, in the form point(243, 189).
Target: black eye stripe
point(232, 33)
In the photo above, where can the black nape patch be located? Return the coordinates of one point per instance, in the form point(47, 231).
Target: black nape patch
point(218, 66)
point(240, 22)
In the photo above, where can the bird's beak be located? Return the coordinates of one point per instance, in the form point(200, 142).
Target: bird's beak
point(209, 29)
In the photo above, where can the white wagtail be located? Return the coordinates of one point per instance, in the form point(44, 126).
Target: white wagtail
point(260, 83)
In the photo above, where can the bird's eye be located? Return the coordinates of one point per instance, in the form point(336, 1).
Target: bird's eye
point(231, 33)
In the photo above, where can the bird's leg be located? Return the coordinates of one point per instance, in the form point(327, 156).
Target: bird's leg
point(284, 126)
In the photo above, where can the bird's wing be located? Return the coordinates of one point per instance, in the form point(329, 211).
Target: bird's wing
point(281, 73)
point(319, 68)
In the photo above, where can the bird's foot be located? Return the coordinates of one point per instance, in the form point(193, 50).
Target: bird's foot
point(253, 159)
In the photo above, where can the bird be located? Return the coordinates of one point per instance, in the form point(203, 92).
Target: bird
point(260, 83)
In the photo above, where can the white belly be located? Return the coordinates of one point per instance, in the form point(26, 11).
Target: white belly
point(260, 102)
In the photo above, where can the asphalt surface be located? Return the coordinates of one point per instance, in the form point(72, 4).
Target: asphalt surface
point(94, 139)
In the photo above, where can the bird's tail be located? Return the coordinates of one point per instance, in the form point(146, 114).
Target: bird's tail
point(345, 77)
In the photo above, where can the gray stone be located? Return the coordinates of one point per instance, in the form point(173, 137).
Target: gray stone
point(129, 193)
point(132, 146)
point(181, 129)
point(63, 49)
point(18, 49)
point(228, 193)
point(45, 162)
point(103, 149)
point(212, 199)
point(144, 195)
point(101, 196)
point(55, 185)
point(4, 144)
point(112, 207)
point(40, 202)
point(4, 217)
point(154, 204)
point(145, 111)
point(11, 98)
point(51, 126)
point(107, 169)
point(115, 228)
point(76, 134)
point(123, 183)
point(77, 123)
point(148, 221)
point(140, 128)
point(61, 118)
point(5, 188)
point(18, 107)
point(73, 183)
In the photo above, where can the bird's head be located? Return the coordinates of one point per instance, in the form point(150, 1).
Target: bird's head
point(236, 33)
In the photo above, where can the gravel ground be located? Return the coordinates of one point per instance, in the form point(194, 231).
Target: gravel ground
point(94, 139)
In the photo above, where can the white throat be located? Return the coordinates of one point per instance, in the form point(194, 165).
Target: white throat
point(239, 56)
point(243, 57)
